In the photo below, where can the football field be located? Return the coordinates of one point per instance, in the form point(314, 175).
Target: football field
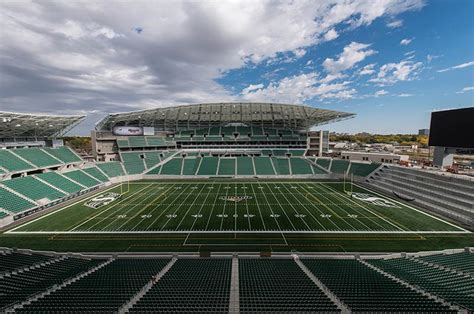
point(244, 207)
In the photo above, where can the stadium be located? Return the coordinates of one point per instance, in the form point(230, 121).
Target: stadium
point(223, 207)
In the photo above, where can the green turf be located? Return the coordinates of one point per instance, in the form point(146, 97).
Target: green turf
point(272, 207)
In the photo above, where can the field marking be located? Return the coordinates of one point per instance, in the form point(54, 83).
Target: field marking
point(214, 205)
point(165, 209)
point(413, 208)
point(282, 209)
point(199, 212)
point(191, 206)
point(133, 195)
point(338, 195)
point(258, 207)
point(240, 231)
point(322, 186)
point(294, 209)
point(146, 204)
point(227, 188)
point(150, 204)
point(343, 195)
point(309, 212)
point(179, 205)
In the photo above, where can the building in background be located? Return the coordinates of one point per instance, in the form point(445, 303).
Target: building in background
point(424, 132)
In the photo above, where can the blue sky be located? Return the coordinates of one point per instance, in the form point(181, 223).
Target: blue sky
point(389, 61)
point(437, 37)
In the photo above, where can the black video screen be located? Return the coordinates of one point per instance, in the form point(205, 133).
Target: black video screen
point(452, 128)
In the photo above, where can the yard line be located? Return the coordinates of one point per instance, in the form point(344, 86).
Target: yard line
point(284, 184)
point(335, 194)
point(309, 212)
point(342, 196)
point(166, 208)
point(213, 205)
point(284, 211)
point(142, 202)
point(320, 203)
point(373, 213)
point(258, 207)
point(198, 194)
point(225, 204)
point(168, 195)
point(107, 209)
point(179, 206)
point(141, 210)
point(247, 207)
point(200, 209)
point(273, 214)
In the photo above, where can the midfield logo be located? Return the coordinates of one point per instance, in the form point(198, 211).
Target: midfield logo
point(374, 200)
point(235, 198)
point(102, 199)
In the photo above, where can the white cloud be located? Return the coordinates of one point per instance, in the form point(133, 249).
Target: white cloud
point(381, 92)
point(391, 73)
point(368, 69)
point(92, 55)
point(395, 24)
point(331, 77)
point(405, 95)
point(251, 88)
point(466, 89)
point(298, 89)
point(459, 66)
point(406, 41)
point(412, 52)
point(331, 34)
point(351, 54)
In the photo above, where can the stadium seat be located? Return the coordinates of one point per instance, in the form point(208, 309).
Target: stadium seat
point(60, 182)
point(323, 162)
point(172, 167)
point(300, 166)
point(18, 287)
point(364, 290)
point(190, 286)
point(96, 173)
point(37, 156)
point(263, 166)
point(82, 178)
point(103, 291)
point(362, 170)
point(226, 166)
point(282, 165)
point(339, 166)
point(12, 163)
point(279, 285)
point(13, 202)
point(111, 169)
point(455, 288)
point(245, 166)
point(208, 166)
point(64, 153)
point(134, 167)
point(33, 188)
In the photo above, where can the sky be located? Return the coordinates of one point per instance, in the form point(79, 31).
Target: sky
point(391, 62)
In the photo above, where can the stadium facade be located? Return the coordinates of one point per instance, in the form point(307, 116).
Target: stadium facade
point(218, 126)
point(243, 191)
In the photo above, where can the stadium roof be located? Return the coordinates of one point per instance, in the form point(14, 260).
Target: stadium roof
point(204, 115)
point(35, 125)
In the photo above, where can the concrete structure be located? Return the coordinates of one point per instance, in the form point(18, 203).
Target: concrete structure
point(318, 143)
point(374, 157)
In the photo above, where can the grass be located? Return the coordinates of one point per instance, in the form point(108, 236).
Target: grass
point(297, 207)
point(266, 216)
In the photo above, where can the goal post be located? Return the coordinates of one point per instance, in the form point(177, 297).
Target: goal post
point(125, 187)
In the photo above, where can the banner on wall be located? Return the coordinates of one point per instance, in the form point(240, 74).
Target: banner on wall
point(127, 130)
